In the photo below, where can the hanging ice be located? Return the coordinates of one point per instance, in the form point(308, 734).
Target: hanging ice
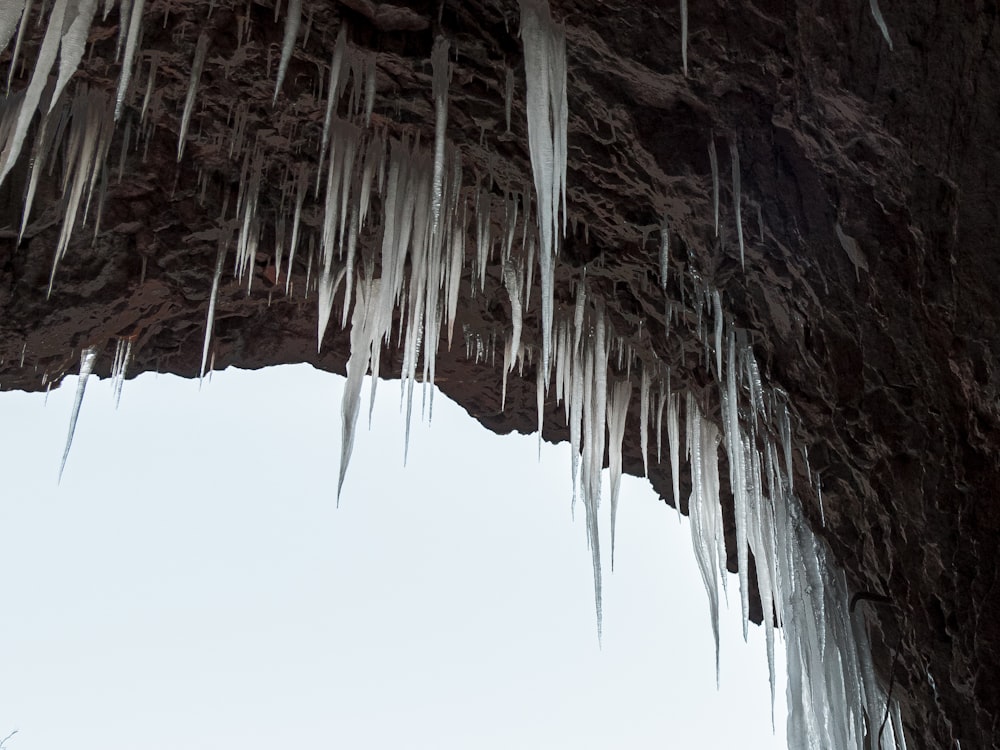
point(684, 36)
point(212, 299)
point(617, 411)
point(713, 160)
point(123, 354)
point(87, 358)
point(880, 21)
point(293, 19)
point(545, 95)
point(131, 43)
point(201, 49)
point(439, 64)
point(735, 154)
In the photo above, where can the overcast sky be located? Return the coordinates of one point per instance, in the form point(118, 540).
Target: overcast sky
point(191, 584)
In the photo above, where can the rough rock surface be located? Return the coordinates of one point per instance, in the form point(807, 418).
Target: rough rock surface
point(888, 346)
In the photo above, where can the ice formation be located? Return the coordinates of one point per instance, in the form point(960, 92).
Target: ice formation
point(87, 358)
point(293, 19)
point(684, 35)
point(402, 282)
point(880, 21)
point(545, 72)
point(123, 354)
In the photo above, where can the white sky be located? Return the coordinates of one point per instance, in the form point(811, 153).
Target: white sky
point(190, 584)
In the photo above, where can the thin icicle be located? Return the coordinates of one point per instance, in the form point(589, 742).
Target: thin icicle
point(508, 95)
point(512, 280)
point(33, 93)
point(131, 42)
point(674, 437)
point(123, 355)
point(713, 160)
point(10, 14)
point(617, 411)
point(545, 70)
point(644, 387)
point(213, 297)
point(74, 42)
point(664, 251)
point(201, 49)
point(5, 31)
point(735, 154)
point(441, 75)
point(332, 96)
point(880, 21)
point(293, 19)
point(684, 36)
point(87, 358)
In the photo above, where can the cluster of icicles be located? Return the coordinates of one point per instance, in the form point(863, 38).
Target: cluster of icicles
point(408, 273)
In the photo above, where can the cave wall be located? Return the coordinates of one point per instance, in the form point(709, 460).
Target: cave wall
point(887, 347)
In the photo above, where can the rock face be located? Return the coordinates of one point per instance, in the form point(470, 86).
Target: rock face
point(868, 288)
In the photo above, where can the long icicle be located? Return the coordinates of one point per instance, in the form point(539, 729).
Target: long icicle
point(293, 20)
point(201, 49)
point(87, 358)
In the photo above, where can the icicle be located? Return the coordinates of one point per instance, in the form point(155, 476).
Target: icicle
point(332, 96)
point(644, 386)
point(10, 14)
point(512, 281)
point(674, 437)
point(661, 402)
point(300, 196)
point(123, 354)
point(74, 42)
point(89, 139)
point(735, 154)
point(212, 299)
point(717, 314)
point(545, 70)
point(880, 21)
point(14, 140)
point(617, 411)
point(201, 49)
point(370, 81)
point(131, 42)
point(441, 76)
point(87, 358)
point(292, 21)
point(664, 251)
point(684, 36)
point(508, 95)
point(8, 19)
point(713, 161)
point(154, 61)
